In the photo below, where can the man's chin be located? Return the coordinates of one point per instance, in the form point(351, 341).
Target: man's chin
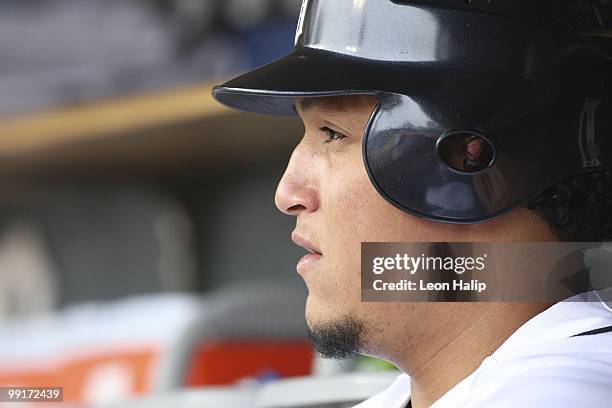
point(339, 338)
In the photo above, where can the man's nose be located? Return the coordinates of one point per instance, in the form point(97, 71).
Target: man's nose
point(296, 192)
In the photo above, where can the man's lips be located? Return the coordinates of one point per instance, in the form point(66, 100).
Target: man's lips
point(314, 253)
point(304, 243)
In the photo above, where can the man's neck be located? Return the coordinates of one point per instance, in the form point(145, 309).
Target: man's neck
point(447, 361)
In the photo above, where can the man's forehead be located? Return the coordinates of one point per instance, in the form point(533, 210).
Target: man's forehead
point(336, 104)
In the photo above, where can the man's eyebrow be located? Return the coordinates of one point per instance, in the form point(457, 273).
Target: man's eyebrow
point(306, 104)
point(327, 104)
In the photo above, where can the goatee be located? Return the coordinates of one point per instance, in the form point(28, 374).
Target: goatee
point(339, 339)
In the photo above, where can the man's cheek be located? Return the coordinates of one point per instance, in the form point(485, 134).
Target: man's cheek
point(343, 261)
point(344, 283)
point(350, 194)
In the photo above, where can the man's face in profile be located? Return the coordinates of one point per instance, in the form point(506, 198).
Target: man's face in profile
point(327, 189)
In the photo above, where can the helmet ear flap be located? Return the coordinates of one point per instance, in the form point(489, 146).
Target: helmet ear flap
point(465, 151)
point(406, 169)
point(420, 162)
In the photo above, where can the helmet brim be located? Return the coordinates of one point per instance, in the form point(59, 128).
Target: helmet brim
point(307, 72)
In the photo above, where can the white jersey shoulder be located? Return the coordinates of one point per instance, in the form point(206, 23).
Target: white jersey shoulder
point(544, 364)
point(396, 395)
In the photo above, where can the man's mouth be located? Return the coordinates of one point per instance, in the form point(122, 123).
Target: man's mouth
point(306, 244)
point(314, 253)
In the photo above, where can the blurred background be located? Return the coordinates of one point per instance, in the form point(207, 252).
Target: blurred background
point(141, 255)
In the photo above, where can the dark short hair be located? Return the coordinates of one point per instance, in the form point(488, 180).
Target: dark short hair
point(578, 209)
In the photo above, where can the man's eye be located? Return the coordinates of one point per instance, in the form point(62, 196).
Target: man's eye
point(332, 134)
